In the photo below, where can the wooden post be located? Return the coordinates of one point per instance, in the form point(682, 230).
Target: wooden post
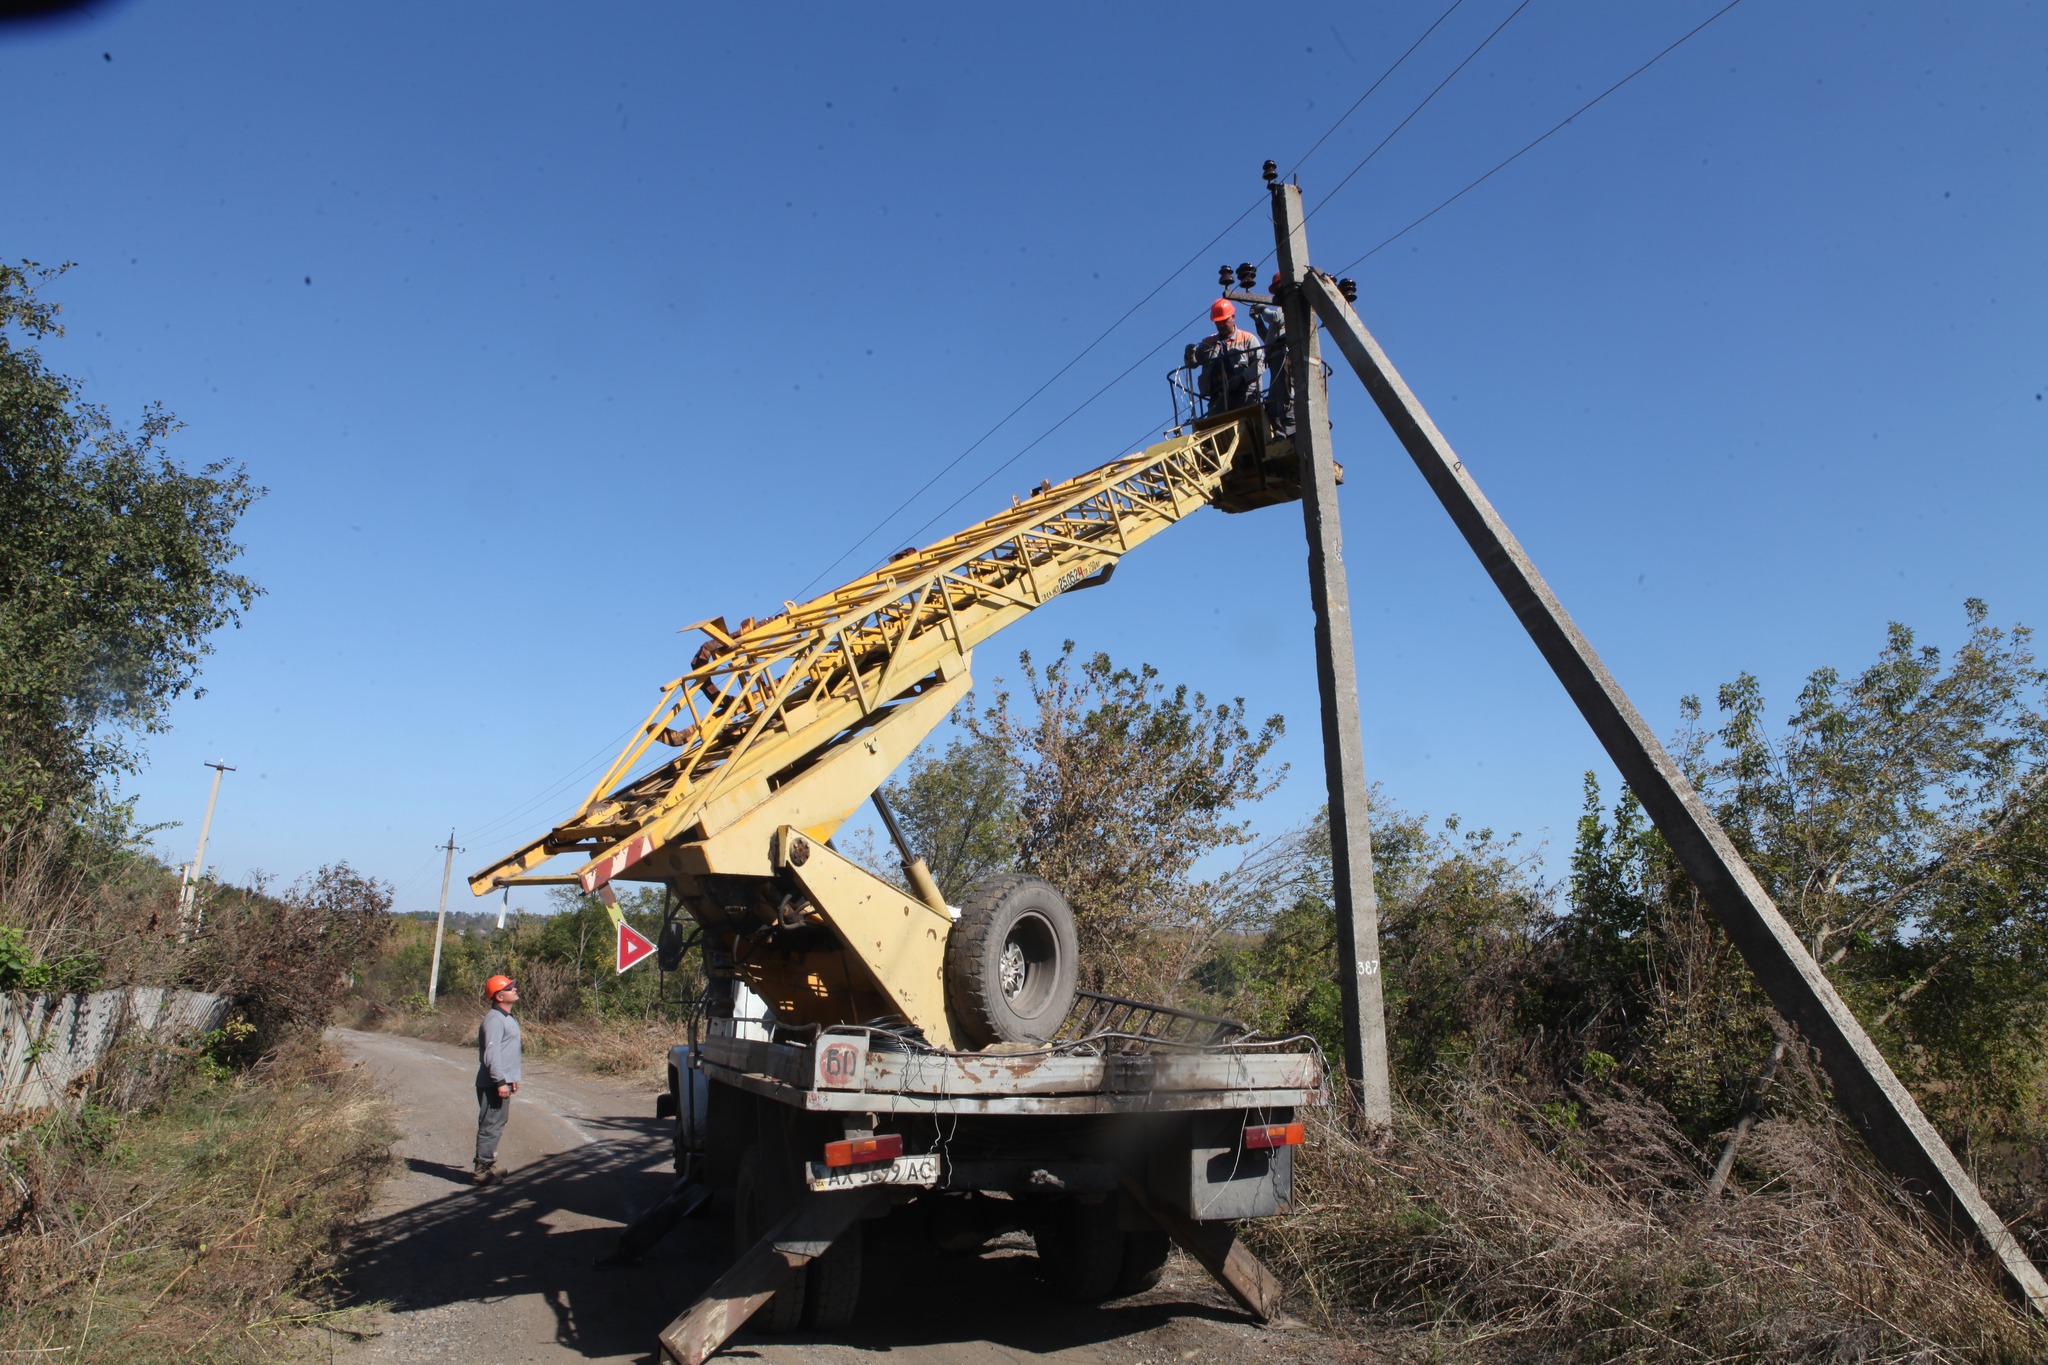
point(1358, 907)
point(1216, 1247)
point(1891, 1122)
point(806, 1234)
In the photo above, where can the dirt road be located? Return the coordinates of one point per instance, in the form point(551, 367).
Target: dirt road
point(506, 1273)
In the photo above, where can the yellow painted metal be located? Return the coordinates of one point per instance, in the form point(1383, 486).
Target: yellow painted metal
point(774, 693)
point(737, 840)
point(899, 940)
point(787, 725)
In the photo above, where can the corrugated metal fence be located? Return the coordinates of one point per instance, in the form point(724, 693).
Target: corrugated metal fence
point(50, 1044)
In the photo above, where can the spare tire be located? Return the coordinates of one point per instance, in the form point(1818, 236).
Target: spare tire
point(1011, 963)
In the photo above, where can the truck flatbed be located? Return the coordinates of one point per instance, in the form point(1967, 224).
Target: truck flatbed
point(843, 1070)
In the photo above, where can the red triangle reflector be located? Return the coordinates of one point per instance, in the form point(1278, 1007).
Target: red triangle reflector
point(634, 947)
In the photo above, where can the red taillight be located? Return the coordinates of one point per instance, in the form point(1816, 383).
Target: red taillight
point(1264, 1135)
point(862, 1151)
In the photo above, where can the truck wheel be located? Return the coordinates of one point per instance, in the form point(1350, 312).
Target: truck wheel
point(728, 1133)
point(1144, 1261)
point(832, 1284)
point(1011, 963)
point(764, 1194)
point(1080, 1250)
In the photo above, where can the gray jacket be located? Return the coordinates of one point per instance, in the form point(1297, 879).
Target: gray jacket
point(497, 1049)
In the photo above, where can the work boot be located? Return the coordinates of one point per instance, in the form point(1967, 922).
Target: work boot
point(486, 1173)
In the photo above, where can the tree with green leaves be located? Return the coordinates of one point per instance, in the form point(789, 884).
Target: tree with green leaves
point(1461, 921)
point(115, 569)
point(1124, 787)
point(959, 809)
point(1898, 821)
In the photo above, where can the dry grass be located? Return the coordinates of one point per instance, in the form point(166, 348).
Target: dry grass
point(630, 1047)
point(1490, 1228)
point(87, 916)
point(200, 1228)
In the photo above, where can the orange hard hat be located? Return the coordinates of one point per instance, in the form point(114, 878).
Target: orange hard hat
point(1223, 310)
point(496, 984)
point(1274, 287)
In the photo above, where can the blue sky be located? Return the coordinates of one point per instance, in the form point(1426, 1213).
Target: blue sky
point(551, 335)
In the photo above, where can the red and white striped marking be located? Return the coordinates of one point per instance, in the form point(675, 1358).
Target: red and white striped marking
point(602, 871)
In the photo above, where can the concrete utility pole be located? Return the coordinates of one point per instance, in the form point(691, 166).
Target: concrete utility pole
point(188, 886)
point(1358, 906)
point(441, 919)
point(1872, 1096)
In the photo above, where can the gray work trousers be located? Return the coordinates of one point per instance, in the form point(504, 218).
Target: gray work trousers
point(491, 1112)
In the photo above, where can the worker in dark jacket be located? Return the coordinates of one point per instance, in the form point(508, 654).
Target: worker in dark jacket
point(1272, 324)
point(497, 1073)
point(1227, 362)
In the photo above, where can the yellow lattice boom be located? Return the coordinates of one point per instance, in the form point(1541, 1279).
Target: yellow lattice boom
point(767, 698)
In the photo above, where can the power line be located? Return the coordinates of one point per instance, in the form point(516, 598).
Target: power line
point(954, 462)
point(1469, 57)
point(567, 779)
point(1182, 327)
point(1178, 331)
point(1303, 159)
point(1483, 42)
point(1153, 293)
point(1534, 143)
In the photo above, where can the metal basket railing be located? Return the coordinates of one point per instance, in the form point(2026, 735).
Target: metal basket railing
point(1139, 1022)
point(1191, 403)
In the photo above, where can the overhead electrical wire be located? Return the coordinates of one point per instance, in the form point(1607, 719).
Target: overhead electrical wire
point(404, 884)
point(1151, 294)
point(1302, 160)
point(1366, 160)
point(1535, 142)
point(1182, 327)
point(1103, 336)
point(1340, 184)
point(581, 770)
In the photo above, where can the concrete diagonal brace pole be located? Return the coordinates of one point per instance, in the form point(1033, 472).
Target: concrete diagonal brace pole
point(1885, 1112)
point(1358, 907)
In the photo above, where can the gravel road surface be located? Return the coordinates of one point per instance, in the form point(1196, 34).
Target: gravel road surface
point(507, 1273)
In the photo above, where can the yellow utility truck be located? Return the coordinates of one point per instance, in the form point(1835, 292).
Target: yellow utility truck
point(867, 1042)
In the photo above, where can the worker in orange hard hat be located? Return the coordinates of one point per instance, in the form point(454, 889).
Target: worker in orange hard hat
point(497, 1072)
point(1230, 373)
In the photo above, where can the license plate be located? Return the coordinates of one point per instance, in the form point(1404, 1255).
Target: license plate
point(904, 1170)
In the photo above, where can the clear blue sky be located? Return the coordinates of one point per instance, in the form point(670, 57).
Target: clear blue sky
point(550, 335)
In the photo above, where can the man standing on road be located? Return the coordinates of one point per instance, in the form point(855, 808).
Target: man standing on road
point(497, 1073)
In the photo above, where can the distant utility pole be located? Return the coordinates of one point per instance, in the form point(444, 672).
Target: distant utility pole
point(188, 885)
point(441, 920)
point(1358, 907)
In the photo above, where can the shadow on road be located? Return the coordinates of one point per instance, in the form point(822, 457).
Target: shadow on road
point(440, 1170)
point(509, 1239)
